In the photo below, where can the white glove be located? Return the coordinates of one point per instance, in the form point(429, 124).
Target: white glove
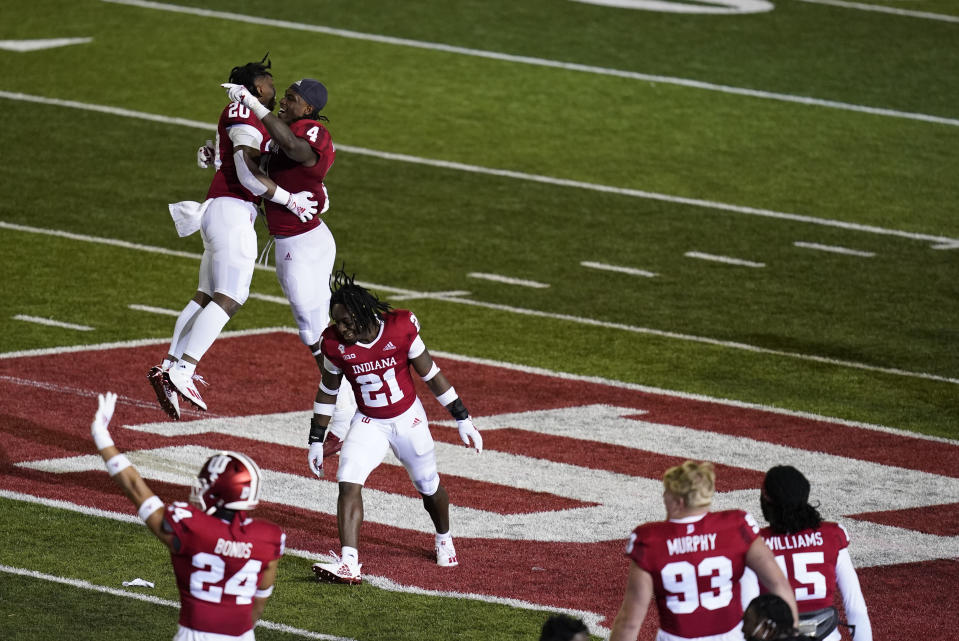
point(204, 155)
point(101, 422)
point(316, 458)
point(239, 93)
point(468, 431)
point(302, 204)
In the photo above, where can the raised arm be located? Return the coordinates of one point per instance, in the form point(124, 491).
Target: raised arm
point(293, 146)
point(149, 506)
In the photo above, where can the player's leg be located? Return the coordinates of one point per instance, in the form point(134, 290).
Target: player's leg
point(414, 447)
point(303, 267)
point(364, 449)
point(229, 237)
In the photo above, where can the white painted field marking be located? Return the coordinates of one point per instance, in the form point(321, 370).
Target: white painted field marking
point(51, 323)
point(526, 369)
point(632, 271)
point(456, 293)
point(724, 259)
point(154, 310)
point(834, 249)
point(540, 62)
point(593, 619)
point(942, 17)
point(939, 242)
point(508, 280)
point(622, 500)
point(23, 46)
point(149, 598)
point(514, 310)
point(721, 7)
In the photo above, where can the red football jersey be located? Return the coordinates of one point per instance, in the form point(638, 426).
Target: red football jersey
point(808, 559)
point(379, 371)
point(696, 567)
point(225, 181)
point(295, 177)
point(218, 566)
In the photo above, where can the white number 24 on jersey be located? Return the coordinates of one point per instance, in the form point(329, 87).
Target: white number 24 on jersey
point(211, 570)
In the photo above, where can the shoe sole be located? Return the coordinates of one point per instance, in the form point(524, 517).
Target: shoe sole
point(159, 388)
point(330, 577)
point(186, 397)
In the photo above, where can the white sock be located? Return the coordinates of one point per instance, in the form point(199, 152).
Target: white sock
point(185, 366)
point(181, 330)
point(440, 538)
point(350, 555)
point(207, 326)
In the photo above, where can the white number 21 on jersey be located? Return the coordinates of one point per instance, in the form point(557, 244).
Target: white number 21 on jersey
point(371, 384)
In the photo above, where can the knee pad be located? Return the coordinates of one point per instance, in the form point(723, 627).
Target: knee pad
point(429, 485)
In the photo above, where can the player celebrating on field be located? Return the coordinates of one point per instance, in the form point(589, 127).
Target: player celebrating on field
point(814, 554)
point(301, 154)
point(374, 346)
point(224, 561)
point(225, 220)
point(692, 564)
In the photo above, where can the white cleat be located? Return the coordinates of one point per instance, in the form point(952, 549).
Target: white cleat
point(340, 571)
point(183, 383)
point(166, 395)
point(446, 554)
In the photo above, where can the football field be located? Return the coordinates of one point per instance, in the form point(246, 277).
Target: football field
point(723, 230)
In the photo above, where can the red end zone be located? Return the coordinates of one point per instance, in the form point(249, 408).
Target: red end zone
point(49, 401)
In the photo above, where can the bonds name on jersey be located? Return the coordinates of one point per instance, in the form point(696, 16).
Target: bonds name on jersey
point(378, 371)
point(218, 566)
point(296, 177)
point(225, 180)
point(808, 559)
point(696, 566)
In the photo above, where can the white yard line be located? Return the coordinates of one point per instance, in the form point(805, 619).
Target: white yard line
point(154, 310)
point(541, 62)
point(508, 280)
point(834, 249)
point(942, 17)
point(52, 323)
point(632, 271)
point(520, 311)
point(149, 598)
point(724, 259)
point(939, 242)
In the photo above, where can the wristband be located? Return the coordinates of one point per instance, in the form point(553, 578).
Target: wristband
point(264, 593)
point(280, 196)
point(327, 390)
point(317, 432)
point(117, 464)
point(434, 370)
point(149, 506)
point(447, 397)
point(326, 409)
point(259, 109)
point(458, 410)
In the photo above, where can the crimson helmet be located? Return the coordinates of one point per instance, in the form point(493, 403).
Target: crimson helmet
point(227, 480)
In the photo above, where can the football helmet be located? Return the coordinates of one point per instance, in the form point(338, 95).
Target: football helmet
point(227, 480)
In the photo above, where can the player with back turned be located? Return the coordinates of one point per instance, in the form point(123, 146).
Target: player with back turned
point(224, 561)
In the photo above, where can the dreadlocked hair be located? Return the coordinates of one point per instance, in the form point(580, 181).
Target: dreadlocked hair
point(364, 307)
point(248, 73)
point(785, 501)
point(776, 614)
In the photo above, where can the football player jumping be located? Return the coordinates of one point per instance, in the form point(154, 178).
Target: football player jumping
point(225, 221)
point(301, 154)
point(374, 346)
point(224, 561)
